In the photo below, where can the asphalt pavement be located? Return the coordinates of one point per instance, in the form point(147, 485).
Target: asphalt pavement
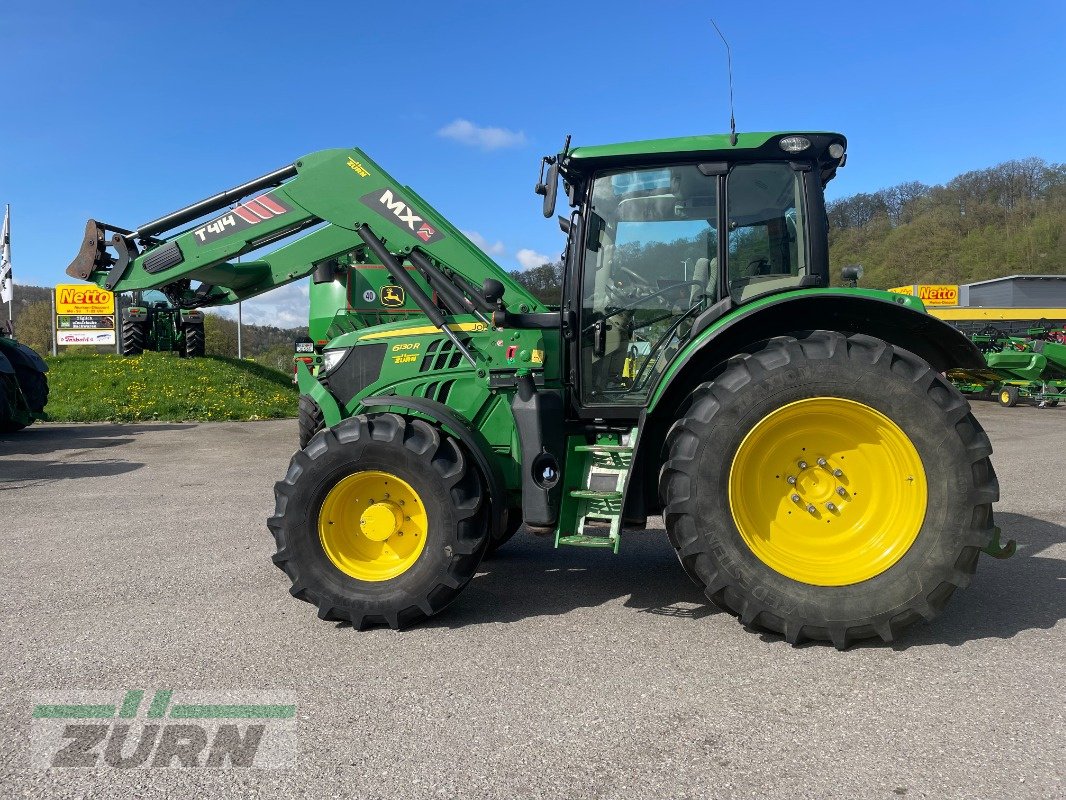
point(136, 557)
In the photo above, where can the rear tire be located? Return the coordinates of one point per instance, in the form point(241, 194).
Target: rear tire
point(310, 420)
point(195, 341)
point(892, 384)
point(449, 496)
point(34, 386)
point(7, 405)
point(134, 336)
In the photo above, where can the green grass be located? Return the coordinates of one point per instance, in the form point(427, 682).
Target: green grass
point(95, 387)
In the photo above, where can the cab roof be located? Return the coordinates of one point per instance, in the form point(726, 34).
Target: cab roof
point(709, 144)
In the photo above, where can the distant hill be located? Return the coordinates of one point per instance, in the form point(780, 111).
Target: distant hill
point(1005, 220)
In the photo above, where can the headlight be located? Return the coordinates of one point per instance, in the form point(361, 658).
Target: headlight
point(795, 144)
point(331, 358)
point(836, 150)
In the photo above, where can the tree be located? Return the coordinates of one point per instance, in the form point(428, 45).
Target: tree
point(544, 282)
point(221, 335)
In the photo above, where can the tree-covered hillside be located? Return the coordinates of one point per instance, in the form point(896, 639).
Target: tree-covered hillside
point(1007, 219)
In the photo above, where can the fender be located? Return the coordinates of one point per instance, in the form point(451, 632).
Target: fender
point(22, 356)
point(475, 443)
point(897, 319)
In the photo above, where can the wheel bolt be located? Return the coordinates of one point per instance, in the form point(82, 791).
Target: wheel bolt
point(803, 465)
point(830, 507)
point(838, 473)
point(822, 462)
point(791, 480)
point(795, 498)
point(841, 492)
point(812, 509)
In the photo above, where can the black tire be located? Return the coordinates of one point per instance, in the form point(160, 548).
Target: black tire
point(514, 524)
point(310, 420)
point(1008, 396)
point(9, 401)
point(195, 341)
point(34, 386)
point(134, 336)
point(6, 422)
point(953, 448)
point(435, 465)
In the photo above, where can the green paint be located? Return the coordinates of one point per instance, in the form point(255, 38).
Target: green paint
point(159, 704)
point(131, 703)
point(681, 144)
point(233, 712)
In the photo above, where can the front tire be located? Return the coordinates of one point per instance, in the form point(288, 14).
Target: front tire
point(134, 335)
point(310, 420)
point(918, 488)
point(195, 341)
point(379, 520)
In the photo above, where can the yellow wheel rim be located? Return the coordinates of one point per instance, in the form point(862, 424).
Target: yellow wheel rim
point(373, 525)
point(827, 491)
point(1004, 397)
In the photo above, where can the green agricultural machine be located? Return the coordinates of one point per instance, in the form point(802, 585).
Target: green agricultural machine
point(817, 475)
point(151, 322)
point(1031, 368)
point(23, 384)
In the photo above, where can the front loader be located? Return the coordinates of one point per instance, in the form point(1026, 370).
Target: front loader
point(817, 475)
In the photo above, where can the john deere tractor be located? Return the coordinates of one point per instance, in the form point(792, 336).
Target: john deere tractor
point(817, 475)
point(23, 384)
point(151, 322)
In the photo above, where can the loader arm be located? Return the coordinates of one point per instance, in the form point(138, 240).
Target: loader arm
point(317, 204)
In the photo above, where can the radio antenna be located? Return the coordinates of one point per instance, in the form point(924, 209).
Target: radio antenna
point(729, 64)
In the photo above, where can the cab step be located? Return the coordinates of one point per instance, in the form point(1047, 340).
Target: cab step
point(597, 518)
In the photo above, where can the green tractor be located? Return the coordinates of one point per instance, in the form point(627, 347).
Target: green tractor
point(817, 475)
point(23, 384)
point(151, 322)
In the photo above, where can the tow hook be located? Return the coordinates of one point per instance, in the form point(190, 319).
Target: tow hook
point(996, 550)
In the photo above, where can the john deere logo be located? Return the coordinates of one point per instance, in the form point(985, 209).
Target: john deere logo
point(392, 296)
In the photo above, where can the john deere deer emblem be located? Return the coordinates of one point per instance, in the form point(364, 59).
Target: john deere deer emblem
point(392, 296)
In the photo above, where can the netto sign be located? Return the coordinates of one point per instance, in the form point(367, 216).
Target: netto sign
point(78, 299)
point(931, 294)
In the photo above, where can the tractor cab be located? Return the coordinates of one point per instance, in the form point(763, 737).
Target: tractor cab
point(667, 236)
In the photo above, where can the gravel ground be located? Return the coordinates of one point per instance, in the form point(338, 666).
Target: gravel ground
point(136, 557)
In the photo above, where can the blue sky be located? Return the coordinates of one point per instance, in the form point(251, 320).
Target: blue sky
point(124, 111)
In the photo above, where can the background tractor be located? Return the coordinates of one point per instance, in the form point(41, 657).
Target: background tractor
point(151, 322)
point(817, 475)
point(23, 384)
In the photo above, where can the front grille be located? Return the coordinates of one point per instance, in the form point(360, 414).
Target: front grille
point(360, 368)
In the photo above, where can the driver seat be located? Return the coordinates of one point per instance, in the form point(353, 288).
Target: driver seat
point(705, 274)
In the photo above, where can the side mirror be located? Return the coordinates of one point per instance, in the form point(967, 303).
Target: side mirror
point(492, 290)
point(549, 186)
point(851, 274)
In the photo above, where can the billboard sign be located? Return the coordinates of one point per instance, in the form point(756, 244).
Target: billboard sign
point(85, 314)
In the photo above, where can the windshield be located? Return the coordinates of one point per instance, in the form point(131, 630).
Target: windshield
point(651, 263)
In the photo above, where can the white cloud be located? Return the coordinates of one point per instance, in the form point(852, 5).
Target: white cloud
point(495, 249)
point(284, 307)
point(531, 258)
point(466, 132)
